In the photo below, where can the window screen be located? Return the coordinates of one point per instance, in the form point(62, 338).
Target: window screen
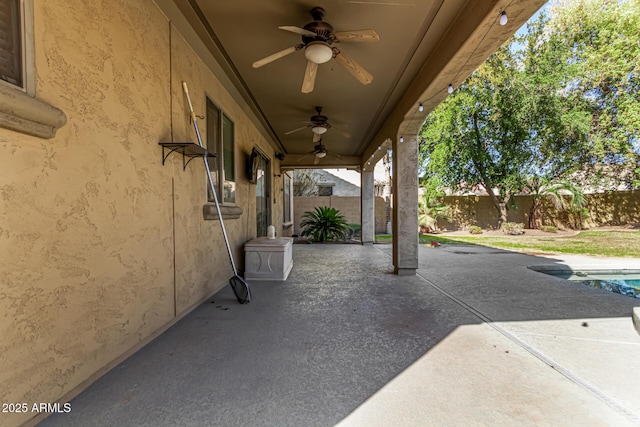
point(11, 42)
point(286, 198)
point(228, 160)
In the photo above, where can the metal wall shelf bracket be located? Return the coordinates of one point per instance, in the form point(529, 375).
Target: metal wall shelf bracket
point(188, 150)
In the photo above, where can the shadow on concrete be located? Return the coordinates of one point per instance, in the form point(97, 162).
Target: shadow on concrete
point(309, 351)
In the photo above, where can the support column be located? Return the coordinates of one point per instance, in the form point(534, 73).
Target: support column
point(367, 207)
point(405, 205)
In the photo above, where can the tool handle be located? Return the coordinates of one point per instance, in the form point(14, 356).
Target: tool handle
point(210, 178)
point(186, 92)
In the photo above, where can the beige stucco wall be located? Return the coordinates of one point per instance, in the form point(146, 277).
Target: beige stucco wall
point(91, 221)
point(613, 208)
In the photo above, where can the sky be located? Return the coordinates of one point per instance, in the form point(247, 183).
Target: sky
point(354, 177)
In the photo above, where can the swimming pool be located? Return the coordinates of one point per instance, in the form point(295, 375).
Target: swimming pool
point(620, 283)
point(624, 282)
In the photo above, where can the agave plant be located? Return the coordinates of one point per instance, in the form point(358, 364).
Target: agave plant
point(324, 224)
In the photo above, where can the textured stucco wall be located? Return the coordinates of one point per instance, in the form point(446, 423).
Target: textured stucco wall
point(201, 257)
point(91, 221)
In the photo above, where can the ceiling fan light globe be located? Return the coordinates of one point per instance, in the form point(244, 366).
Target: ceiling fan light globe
point(318, 52)
point(318, 130)
point(320, 154)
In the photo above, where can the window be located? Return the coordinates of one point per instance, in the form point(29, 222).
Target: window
point(325, 189)
point(220, 141)
point(228, 160)
point(20, 110)
point(11, 42)
point(263, 194)
point(287, 199)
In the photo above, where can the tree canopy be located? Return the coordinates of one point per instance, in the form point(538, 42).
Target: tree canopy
point(561, 97)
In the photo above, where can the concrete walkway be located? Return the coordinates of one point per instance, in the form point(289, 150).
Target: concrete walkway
point(476, 338)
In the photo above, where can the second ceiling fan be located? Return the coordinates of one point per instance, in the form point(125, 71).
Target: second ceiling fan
point(319, 124)
point(319, 151)
point(318, 39)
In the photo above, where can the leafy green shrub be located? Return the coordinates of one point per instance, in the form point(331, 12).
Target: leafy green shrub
point(474, 229)
point(353, 230)
point(549, 228)
point(324, 224)
point(513, 228)
point(430, 209)
point(577, 216)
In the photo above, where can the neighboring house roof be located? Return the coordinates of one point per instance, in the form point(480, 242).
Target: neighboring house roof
point(340, 186)
point(344, 187)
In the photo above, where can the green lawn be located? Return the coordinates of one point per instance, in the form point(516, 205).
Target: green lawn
point(602, 243)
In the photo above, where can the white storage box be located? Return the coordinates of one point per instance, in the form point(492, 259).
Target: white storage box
point(268, 259)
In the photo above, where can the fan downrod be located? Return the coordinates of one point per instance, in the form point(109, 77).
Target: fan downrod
point(317, 13)
point(323, 30)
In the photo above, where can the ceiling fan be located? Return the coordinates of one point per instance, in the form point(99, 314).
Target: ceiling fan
point(318, 39)
point(319, 151)
point(319, 124)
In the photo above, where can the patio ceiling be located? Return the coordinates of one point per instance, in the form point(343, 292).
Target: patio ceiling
point(424, 45)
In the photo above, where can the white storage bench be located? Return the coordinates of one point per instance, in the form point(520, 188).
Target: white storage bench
point(268, 259)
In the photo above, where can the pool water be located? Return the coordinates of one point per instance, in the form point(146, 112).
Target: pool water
point(620, 283)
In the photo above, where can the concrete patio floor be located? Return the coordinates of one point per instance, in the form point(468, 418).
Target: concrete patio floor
point(476, 338)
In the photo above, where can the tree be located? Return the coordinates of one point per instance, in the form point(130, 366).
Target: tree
point(482, 134)
point(430, 206)
point(540, 108)
point(563, 194)
point(430, 209)
point(601, 39)
point(305, 182)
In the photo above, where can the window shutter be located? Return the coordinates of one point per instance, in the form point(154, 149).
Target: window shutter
point(10, 42)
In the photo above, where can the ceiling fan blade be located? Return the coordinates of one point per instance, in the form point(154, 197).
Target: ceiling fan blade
point(264, 61)
point(310, 152)
point(295, 130)
point(309, 77)
point(298, 30)
point(357, 36)
point(316, 160)
point(354, 68)
point(316, 137)
point(343, 128)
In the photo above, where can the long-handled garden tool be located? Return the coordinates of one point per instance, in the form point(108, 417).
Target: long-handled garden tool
point(240, 287)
